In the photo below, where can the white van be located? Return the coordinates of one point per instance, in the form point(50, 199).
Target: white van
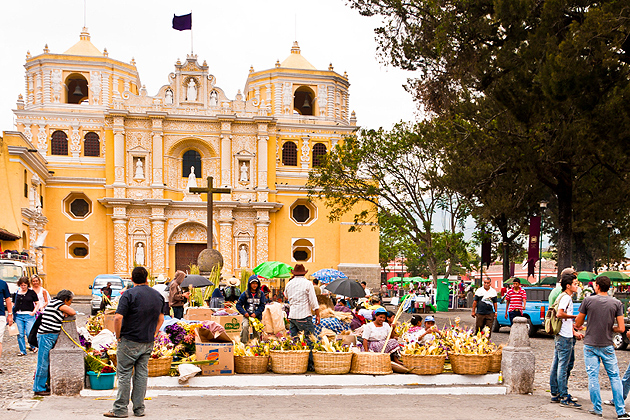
point(11, 270)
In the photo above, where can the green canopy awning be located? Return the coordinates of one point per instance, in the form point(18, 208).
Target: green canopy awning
point(394, 280)
point(585, 276)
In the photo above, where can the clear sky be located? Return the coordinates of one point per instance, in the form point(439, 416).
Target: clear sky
point(229, 35)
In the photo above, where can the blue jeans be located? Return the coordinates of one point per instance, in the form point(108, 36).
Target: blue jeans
point(592, 357)
point(304, 324)
point(132, 360)
point(563, 359)
point(514, 314)
point(625, 382)
point(25, 323)
point(45, 343)
point(178, 312)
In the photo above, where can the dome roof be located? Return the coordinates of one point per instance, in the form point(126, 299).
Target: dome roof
point(295, 60)
point(84, 46)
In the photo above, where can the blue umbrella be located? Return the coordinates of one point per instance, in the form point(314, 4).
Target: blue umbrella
point(326, 275)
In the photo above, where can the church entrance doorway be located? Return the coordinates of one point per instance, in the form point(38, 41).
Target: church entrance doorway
point(186, 254)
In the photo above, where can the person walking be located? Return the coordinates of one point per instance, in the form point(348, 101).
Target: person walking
point(138, 320)
point(484, 307)
point(177, 298)
point(564, 345)
point(106, 296)
point(6, 311)
point(47, 335)
point(251, 304)
point(302, 302)
point(25, 303)
point(516, 298)
point(603, 312)
point(42, 294)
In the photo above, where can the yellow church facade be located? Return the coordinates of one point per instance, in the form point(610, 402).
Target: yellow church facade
point(99, 172)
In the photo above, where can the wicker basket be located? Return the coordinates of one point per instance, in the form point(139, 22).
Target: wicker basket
point(495, 361)
point(332, 363)
point(469, 364)
point(161, 366)
point(424, 365)
point(289, 361)
point(251, 364)
point(370, 363)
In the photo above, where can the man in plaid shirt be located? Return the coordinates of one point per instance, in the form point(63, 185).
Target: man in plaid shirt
point(516, 299)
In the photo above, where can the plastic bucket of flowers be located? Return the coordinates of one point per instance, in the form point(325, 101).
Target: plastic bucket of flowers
point(101, 375)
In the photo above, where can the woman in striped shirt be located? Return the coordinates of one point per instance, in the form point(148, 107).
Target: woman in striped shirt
point(47, 335)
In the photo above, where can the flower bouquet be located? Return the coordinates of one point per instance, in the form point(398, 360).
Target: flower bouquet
point(161, 356)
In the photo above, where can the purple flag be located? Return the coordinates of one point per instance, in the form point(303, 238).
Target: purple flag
point(486, 252)
point(534, 244)
point(182, 23)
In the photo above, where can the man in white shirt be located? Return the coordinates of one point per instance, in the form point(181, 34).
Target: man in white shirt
point(564, 355)
point(302, 303)
point(484, 307)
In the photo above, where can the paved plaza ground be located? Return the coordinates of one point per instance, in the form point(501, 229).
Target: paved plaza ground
point(18, 376)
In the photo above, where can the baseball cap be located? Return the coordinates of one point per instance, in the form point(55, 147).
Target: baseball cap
point(429, 318)
point(380, 311)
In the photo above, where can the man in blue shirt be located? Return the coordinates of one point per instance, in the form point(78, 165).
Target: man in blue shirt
point(6, 311)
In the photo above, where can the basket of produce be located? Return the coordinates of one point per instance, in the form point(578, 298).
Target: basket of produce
point(370, 363)
point(495, 360)
point(427, 359)
point(289, 355)
point(289, 361)
point(252, 357)
point(469, 364)
point(331, 357)
point(160, 366)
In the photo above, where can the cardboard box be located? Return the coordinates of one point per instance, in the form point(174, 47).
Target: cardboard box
point(232, 324)
point(108, 322)
point(218, 350)
point(199, 314)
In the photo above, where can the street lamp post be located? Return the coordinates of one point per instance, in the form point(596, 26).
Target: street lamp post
point(543, 206)
point(609, 226)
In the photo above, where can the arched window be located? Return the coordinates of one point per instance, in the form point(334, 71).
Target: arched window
point(191, 158)
point(59, 144)
point(318, 150)
point(77, 89)
point(92, 145)
point(289, 154)
point(303, 101)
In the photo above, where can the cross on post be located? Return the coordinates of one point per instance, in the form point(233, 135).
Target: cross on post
point(210, 190)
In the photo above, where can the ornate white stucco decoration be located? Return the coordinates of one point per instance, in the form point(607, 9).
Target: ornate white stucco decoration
point(56, 79)
point(287, 98)
point(306, 155)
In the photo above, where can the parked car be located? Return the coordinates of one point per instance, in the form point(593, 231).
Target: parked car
point(535, 309)
point(101, 281)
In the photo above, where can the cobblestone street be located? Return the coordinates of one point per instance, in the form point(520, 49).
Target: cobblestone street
point(18, 371)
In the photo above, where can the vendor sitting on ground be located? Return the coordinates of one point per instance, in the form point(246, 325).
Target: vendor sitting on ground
point(251, 304)
point(330, 321)
point(375, 333)
point(429, 331)
point(342, 306)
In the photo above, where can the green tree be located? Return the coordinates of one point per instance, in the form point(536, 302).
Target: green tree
point(542, 84)
point(397, 173)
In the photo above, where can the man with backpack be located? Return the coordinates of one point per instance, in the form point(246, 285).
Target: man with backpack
point(564, 343)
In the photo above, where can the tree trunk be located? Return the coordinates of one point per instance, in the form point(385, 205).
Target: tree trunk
point(583, 257)
point(502, 225)
point(564, 193)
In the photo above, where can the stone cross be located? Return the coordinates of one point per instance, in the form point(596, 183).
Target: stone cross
point(210, 190)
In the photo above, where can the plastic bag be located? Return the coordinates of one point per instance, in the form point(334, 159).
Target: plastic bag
point(13, 330)
point(187, 371)
point(104, 339)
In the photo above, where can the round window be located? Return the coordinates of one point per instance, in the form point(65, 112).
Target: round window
point(301, 213)
point(80, 251)
point(79, 207)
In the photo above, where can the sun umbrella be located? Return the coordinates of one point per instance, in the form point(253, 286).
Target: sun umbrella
point(549, 280)
point(326, 275)
point(195, 280)
point(585, 276)
point(524, 282)
point(346, 287)
point(273, 270)
point(615, 275)
point(394, 280)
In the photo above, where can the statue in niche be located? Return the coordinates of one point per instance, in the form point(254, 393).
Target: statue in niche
point(191, 92)
point(213, 99)
point(242, 256)
point(168, 97)
point(244, 173)
point(139, 174)
point(140, 253)
point(192, 180)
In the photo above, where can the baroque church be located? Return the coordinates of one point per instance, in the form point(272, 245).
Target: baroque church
point(98, 173)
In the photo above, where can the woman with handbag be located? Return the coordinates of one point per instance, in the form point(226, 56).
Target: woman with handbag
point(25, 303)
